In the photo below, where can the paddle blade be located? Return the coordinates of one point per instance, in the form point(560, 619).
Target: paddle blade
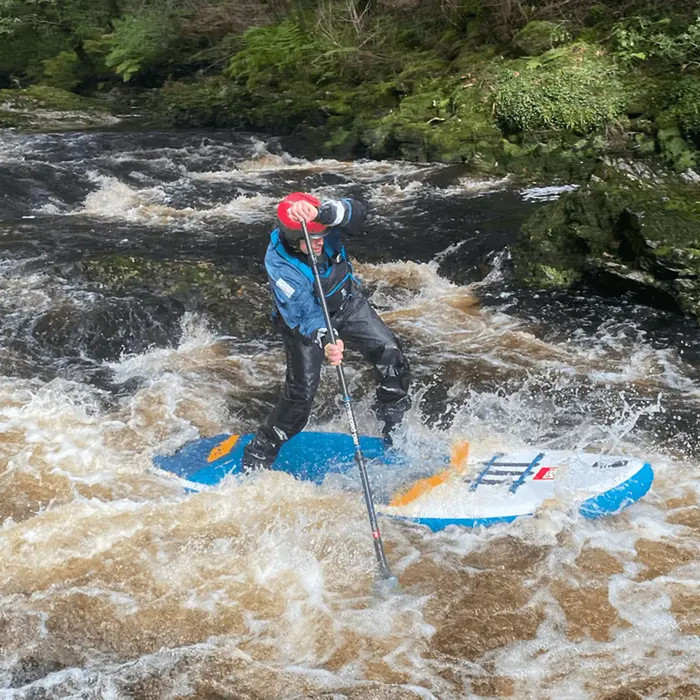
point(419, 488)
point(458, 465)
point(460, 456)
point(223, 448)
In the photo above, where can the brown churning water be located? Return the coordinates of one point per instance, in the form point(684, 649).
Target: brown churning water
point(117, 583)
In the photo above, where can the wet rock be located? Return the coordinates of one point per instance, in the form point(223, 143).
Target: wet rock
point(232, 304)
point(628, 231)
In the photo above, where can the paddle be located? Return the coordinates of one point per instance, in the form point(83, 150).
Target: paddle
point(384, 571)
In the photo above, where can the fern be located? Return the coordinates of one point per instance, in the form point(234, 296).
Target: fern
point(273, 54)
point(138, 43)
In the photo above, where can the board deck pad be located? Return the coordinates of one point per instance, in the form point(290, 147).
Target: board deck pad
point(492, 488)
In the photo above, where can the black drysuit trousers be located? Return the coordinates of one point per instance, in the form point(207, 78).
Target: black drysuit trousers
point(360, 328)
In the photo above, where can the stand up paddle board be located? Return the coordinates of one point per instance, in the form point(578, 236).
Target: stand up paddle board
point(493, 488)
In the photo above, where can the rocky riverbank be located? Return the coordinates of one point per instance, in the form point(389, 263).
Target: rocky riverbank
point(44, 108)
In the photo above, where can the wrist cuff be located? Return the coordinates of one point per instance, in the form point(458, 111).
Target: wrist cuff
point(330, 213)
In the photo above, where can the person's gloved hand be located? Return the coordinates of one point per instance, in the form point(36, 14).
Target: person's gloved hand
point(334, 353)
point(302, 211)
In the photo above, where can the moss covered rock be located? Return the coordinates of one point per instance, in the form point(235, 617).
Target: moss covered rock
point(232, 303)
point(539, 36)
point(553, 116)
point(41, 107)
point(621, 235)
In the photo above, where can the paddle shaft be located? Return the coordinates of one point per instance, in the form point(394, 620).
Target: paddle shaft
point(384, 570)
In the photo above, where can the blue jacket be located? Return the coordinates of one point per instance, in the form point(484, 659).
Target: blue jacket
point(291, 276)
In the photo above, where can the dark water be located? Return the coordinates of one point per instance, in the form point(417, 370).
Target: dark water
point(134, 317)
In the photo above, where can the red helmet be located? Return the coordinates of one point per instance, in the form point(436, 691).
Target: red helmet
point(313, 227)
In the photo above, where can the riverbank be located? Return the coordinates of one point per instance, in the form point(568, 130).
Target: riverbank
point(542, 94)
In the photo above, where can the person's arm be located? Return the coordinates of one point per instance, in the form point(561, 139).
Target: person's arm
point(348, 214)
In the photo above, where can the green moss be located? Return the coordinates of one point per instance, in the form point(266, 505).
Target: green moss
point(547, 276)
point(440, 119)
point(48, 97)
point(45, 107)
point(642, 235)
point(196, 284)
point(208, 102)
point(575, 88)
point(170, 277)
point(539, 36)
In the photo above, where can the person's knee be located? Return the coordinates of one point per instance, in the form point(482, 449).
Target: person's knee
point(393, 366)
point(302, 392)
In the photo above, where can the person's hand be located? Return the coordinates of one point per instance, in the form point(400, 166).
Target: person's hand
point(334, 353)
point(302, 211)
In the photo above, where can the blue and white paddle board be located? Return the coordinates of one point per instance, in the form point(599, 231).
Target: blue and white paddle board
point(492, 488)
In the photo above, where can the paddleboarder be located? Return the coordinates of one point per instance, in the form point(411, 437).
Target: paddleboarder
point(298, 317)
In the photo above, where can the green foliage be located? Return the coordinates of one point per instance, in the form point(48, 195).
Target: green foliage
point(539, 36)
point(67, 71)
point(63, 71)
point(572, 88)
point(640, 39)
point(142, 42)
point(206, 102)
point(273, 54)
point(38, 36)
point(336, 43)
point(686, 106)
point(76, 19)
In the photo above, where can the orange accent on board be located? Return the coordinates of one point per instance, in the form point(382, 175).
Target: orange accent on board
point(458, 465)
point(223, 448)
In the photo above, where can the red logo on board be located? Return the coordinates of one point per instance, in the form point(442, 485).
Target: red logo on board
point(545, 474)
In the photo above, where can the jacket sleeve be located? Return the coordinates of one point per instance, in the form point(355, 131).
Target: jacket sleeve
point(348, 214)
point(296, 302)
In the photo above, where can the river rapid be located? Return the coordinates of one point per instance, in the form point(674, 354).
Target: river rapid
point(115, 583)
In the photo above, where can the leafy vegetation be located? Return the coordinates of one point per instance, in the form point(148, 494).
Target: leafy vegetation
point(574, 88)
point(274, 54)
point(639, 39)
point(503, 84)
point(146, 40)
